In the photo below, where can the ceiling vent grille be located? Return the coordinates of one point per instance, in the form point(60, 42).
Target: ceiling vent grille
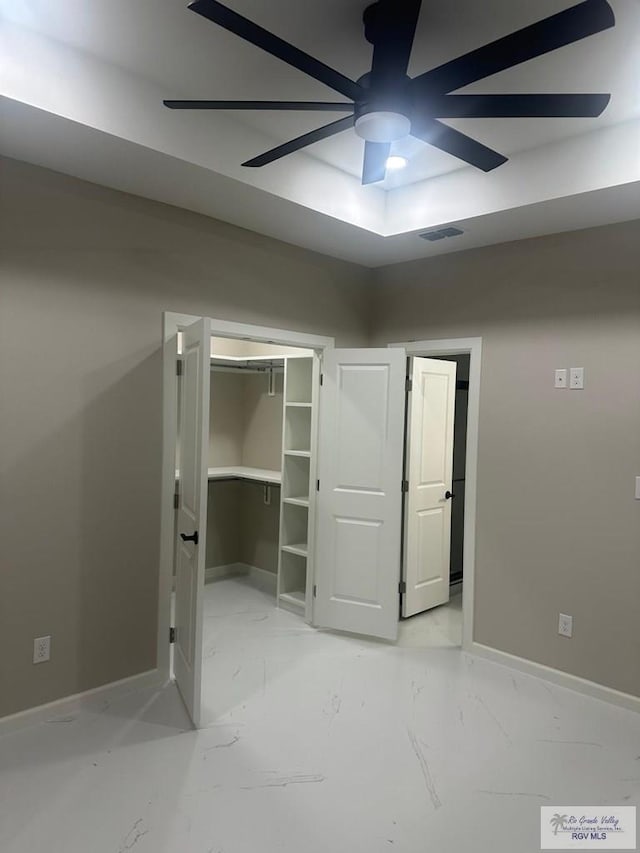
point(433, 236)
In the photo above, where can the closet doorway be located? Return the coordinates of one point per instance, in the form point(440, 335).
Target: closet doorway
point(336, 499)
point(240, 424)
point(259, 539)
point(452, 616)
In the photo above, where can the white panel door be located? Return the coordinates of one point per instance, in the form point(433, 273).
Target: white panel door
point(359, 504)
point(429, 470)
point(192, 514)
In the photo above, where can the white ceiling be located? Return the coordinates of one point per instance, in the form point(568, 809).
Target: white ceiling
point(106, 65)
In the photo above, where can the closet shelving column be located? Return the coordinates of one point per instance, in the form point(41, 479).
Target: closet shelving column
point(298, 485)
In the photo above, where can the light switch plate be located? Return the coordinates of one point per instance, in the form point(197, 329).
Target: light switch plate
point(576, 378)
point(638, 488)
point(561, 378)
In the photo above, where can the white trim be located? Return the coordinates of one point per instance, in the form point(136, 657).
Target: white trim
point(80, 701)
point(264, 580)
point(172, 323)
point(556, 676)
point(260, 578)
point(232, 570)
point(461, 346)
point(248, 332)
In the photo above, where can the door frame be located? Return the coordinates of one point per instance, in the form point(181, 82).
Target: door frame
point(172, 323)
point(473, 348)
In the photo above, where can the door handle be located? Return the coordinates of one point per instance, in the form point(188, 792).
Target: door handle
point(193, 538)
point(448, 496)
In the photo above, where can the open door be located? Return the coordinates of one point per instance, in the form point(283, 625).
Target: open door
point(360, 450)
point(429, 471)
point(192, 514)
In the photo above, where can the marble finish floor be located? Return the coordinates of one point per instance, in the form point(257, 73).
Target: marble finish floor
point(316, 743)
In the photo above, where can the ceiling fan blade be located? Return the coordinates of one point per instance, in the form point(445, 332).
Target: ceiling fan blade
point(375, 161)
point(391, 26)
point(572, 25)
point(301, 142)
point(316, 106)
point(519, 106)
point(276, 46)
point(453, 142)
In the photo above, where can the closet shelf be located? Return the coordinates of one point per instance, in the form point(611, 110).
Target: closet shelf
point(299, 405)
point(260, 475)
point(301, 501)
point(296, 598)
point(306, 454)
point(299, 549)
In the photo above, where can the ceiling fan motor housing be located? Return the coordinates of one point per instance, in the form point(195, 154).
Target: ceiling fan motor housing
point(376, 17)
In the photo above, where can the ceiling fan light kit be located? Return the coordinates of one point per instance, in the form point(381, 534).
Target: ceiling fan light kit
point(382, 126)
point(396, 162)
point(385, 105)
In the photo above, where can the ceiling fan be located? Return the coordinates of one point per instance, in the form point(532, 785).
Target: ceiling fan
point(386, 105)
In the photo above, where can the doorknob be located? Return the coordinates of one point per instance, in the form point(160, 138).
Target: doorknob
point(448, 496)
point(193, 538)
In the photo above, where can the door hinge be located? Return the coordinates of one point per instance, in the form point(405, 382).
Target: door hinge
point(172, 635)
point(405, 485)
point(322, 378)
point(408, 387)
point(315, 591)
point(402, 587)
point(176, 500)
point(317, 485)
point(179, 367)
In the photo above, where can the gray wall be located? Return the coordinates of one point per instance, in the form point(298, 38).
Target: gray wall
point(262, 427)
point(85, 274)
point(226, 415)
point(241, 528)
point(245, 429)
point(224, 522)
point(245, 423)
point(260, 527)
point(558, 528)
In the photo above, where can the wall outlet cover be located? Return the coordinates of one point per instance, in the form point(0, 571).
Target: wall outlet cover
point(41, 649)
point(565, 625)
point(576, 378)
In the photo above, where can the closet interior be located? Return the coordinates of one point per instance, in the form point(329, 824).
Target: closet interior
point(262, 415)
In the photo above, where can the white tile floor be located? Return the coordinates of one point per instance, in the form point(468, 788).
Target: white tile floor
point(317, 743)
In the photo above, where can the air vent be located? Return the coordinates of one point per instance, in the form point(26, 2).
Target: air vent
point(433, 236)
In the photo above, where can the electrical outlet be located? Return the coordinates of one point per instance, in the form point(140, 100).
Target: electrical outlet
point(41, 649)
point(561, 378)
point(565, 625)
point(576, 378)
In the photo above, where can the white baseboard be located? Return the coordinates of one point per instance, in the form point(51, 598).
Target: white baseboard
point(556, 676)
point(218, 572)
point(264, 580)
point(96, 696)
point(261, 578)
